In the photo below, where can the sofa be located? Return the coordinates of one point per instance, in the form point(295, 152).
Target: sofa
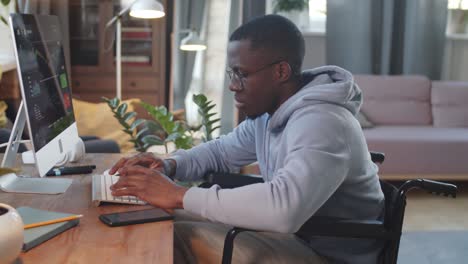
point(92, 144)
point(421, 126)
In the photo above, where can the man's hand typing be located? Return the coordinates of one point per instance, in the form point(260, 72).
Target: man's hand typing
point(145, 159)
point(149, 185)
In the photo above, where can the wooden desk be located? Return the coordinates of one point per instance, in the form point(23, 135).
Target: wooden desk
point(92, 241)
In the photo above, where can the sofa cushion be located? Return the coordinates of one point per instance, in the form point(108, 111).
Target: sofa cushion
point(97, 119)
point(396, 100)
point(450, 104)
point(411, 149)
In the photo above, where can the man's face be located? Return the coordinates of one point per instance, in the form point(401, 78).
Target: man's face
point(252, 79)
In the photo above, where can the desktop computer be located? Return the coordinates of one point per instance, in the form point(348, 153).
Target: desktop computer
point(46, 108)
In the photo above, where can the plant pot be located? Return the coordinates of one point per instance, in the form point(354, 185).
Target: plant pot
point(11, 234)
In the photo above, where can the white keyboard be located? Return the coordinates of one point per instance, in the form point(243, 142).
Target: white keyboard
point(102, 193)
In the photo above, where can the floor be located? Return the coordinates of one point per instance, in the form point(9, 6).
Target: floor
point(425, 211)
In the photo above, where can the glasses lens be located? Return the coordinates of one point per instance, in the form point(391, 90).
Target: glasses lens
point(235, 78)
point(229, 73)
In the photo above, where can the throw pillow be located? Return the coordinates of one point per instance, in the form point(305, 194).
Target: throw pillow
point(97, 119)
point(364, 121)
point(3, 118)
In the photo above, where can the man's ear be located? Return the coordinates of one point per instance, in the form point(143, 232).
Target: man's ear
point(283, 71)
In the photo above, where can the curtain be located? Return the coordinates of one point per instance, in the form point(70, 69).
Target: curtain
point(188, 14)
point(387, 36)
point(34, 6)
point(228, 110)
point(241, 12)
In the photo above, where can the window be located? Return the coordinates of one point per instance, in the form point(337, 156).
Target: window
point(317, 15)
point(311, 19)
point(6, 47)
point(457, 17)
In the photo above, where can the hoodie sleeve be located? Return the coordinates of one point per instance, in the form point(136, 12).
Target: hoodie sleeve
point(224, 154)
point(316, 163)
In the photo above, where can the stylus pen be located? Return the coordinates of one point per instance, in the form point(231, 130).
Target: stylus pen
point(71, 170)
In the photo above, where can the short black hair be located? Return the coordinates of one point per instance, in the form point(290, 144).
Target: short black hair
point(277, 34)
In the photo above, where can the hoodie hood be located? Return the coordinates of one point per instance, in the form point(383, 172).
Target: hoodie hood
point(322, 85)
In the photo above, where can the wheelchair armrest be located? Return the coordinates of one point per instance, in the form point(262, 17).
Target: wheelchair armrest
point(345, 228)
point(430, 186)
point(230, 180)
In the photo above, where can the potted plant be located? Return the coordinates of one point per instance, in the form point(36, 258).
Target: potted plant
point(164, 129)
point(295, 10)
point(4, 3)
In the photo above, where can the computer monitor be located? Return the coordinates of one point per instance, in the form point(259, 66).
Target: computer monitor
point(45, 89)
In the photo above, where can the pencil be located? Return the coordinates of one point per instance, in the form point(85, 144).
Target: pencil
point(53, 221)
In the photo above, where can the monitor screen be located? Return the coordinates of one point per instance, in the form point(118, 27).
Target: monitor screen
point(46, 89)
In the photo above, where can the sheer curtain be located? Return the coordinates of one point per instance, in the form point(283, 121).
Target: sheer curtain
point(241, 11)
point(188, 14)
point(387, 36)
point(197, 72)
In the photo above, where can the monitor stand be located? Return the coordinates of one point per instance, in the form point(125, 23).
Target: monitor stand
point(11, 182)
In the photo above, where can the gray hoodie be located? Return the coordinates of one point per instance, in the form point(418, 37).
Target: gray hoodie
point(313, 157)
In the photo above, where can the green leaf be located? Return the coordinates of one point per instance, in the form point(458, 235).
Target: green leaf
point(196, 128)
point(204, 108)
point(184, 143)
point(199, 99)
point(173, 137)
point(163, 110)
point(213, 121)
point(154, 127)
point(6, 2)
point(141, 132)
point(137, 123)
point(177, 127)
point(289, 5)
point(115, 102)
point(207, 109)
point(210, 115)
point(122, 109)
point(123, 123)
point(129, 116)
point(3, 20)
point(151, 140)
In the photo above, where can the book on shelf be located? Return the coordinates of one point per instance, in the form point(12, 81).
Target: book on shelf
point(37, 235)
point(136, 60)
point(137, 33)
point(137, 29)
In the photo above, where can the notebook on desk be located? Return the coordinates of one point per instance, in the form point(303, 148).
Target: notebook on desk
point(101, 191)
point(37, 235)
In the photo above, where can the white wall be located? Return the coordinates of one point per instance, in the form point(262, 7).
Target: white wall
point(6, 45)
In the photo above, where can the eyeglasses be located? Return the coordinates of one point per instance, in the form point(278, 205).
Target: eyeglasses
point(238, 77)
